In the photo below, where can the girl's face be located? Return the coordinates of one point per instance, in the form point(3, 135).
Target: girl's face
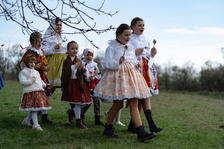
point(89, 57)
point(59, 26)
point(138, 28)
point(125, 36)
point(73, 49)
point(32, 64)
point(37, 43)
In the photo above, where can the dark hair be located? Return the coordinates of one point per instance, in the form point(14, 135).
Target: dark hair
point(34, 37)
point(71, 43)
point(57, 19)
point(135, 20)
point(121, 29)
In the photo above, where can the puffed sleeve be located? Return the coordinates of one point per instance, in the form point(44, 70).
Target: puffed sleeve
point(109, 61)
point(23, 79)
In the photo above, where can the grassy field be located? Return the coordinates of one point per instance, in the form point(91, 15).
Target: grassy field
point(189, 120)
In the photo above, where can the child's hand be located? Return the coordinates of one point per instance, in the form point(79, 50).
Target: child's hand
point(139, 65)
point(84, 69)
point(43, 85)
point(77, 64)
point(34, 78)
point(91, 77)
point(38, 65)
point(139, 51)
point(153, 52)
point(57, 46)
point(122, 59)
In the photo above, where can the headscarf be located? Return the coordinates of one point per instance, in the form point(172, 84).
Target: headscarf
point(28, 58)
point(85, 52)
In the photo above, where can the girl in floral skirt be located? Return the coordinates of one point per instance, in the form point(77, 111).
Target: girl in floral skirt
point(34, 98)
point(122, 80)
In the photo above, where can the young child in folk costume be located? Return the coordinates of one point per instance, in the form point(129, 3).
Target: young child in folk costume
point(93, 79)
point(73, 83)
point(55, 48)
point(144, 55)
point(34, 98)
point(41, 66)
point(122, 80)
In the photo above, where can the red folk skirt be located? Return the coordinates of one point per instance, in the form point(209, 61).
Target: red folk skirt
point(76, 95)
point(146, 74)
point(34, 101)
point(92, 84)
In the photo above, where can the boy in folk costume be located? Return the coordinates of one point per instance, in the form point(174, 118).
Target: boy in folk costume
point(73, 83)
point(41, 66)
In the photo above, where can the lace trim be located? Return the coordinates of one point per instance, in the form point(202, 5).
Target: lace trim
point(111, 98)
point(35, 109)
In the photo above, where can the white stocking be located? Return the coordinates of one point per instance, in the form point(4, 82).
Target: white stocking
point(28, 118)
point(77, 111)
point(34, 118)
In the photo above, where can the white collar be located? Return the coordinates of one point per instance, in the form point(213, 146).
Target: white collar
point(39, 52)
point(89, 65)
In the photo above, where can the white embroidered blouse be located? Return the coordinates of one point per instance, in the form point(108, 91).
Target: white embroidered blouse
point(93, 69)
point(114, 52)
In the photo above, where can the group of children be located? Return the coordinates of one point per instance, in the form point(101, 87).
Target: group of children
point(128, 67)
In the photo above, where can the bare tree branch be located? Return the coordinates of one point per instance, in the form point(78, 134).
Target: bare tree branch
point(18, 10)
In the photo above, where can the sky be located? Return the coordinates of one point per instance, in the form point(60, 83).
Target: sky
point(185, 30)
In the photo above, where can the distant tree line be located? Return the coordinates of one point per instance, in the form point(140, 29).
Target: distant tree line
point(171, 77)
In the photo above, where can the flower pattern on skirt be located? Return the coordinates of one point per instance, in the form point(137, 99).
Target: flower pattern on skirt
point(124, 83)
point(34, 101)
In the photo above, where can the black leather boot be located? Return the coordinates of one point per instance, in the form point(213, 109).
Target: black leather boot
point(108, 131)
point(44, 119)
point(143, 135)
point(152, 126)
point(97, 120)
point(131, 127)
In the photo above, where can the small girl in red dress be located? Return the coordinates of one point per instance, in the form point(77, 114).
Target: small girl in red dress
point(34, 98)
point(94, 77)
point(73, 83)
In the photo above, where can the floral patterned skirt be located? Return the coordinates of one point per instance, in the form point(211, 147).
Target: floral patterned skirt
point(34, 101)
point(76, 96)
point(124, 83)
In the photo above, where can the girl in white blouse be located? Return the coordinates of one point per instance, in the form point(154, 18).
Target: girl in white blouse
point(144, 55)
point(122, 80)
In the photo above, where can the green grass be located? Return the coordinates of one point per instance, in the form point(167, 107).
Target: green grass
point(190, 121)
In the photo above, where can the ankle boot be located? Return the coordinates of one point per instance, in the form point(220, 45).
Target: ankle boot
point(108, 131)
point(153, 127)
point(70, 114)
point(80, 125)
point(131, 127)
point(44, 119)
point(143, 135)
point(97, 120)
